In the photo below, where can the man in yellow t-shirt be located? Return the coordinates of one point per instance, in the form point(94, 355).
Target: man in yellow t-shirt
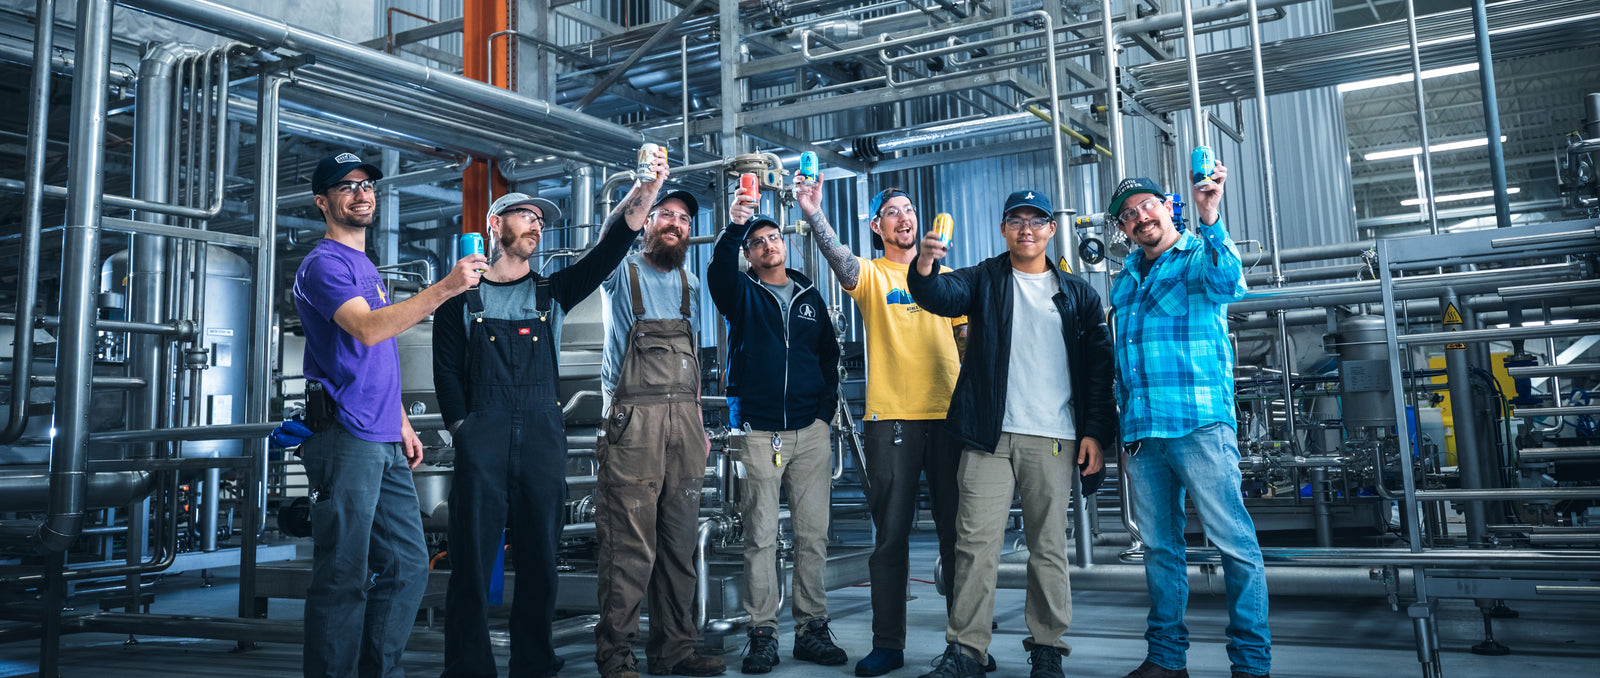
point(912, 363)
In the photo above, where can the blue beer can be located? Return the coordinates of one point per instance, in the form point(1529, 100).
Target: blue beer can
point(471, 243)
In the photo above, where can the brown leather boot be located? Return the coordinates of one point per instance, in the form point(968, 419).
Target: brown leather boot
point(693, 665)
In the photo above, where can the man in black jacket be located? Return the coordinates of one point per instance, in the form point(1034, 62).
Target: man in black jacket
point(1036, 382)
point(783, 386)
point(495, 354)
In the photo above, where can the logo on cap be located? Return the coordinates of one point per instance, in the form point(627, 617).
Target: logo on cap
point(343, 158)
point(1029, 196)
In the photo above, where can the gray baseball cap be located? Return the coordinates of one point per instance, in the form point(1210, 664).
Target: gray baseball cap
point(510, 200)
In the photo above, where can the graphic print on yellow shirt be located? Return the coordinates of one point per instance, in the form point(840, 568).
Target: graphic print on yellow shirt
point(912, 362)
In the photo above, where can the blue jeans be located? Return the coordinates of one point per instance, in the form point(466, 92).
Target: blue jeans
point(1206, 463)
point(370, 564)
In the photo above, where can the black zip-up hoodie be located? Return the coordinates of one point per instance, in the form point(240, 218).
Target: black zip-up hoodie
point(778, 379)
point(983, 293)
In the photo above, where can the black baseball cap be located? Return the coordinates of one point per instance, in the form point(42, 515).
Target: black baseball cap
point(1130, 187)
point(685, 196)
point(1035, 199)
point(876, 206)
point(333, 169)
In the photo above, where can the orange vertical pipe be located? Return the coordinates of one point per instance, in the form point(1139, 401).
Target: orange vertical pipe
point(480, 182)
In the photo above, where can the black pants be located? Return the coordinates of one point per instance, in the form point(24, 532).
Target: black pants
point(895, 471)
point(509, 464)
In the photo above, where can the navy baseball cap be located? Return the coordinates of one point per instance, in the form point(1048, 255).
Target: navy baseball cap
point(1034, 199)
point(876, 205)
point(333, 169)
point(686, 197)
point(760, 221)
point(1130, 187)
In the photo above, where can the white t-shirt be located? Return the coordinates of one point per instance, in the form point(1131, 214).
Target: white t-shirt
point(1039, 383)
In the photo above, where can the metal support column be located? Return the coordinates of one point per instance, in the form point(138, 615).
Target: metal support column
point(1428, 205)
point(1469, 453)
point(1491, 115)
point(80, 283)
point(731, 93)
point(262, 350)
point(33, 216)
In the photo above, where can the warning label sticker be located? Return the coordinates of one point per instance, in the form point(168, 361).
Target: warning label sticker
point(1451, 315)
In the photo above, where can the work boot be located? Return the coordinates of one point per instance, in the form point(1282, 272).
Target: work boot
point(1046, 661)
point(882, 660)
point(954, 663)
point(695, 664)
point(628, 668)
point(1150, 669)
point(815, 644)
point(761, 653)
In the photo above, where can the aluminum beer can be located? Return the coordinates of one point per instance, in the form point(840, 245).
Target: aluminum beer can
point(472, 243)
point(944, 227)
point(749, 187)
point(808, 167)
point(1202, 164)
point(646, 154)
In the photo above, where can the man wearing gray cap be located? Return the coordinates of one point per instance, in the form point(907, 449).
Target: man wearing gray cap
point(495, 354)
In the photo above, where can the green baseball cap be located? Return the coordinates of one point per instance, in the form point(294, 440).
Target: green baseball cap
point(1130, 187)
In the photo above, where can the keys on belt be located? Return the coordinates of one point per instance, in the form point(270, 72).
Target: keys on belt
point(777, 450)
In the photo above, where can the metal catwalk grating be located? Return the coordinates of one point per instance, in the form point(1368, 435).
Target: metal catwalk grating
point(1519, 28)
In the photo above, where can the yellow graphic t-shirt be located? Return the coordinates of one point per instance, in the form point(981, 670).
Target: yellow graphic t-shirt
point(911, 354)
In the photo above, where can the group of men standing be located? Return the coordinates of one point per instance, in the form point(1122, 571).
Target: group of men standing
point(978, 378)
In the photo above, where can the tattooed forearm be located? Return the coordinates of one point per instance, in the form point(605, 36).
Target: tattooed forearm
point(843, 262)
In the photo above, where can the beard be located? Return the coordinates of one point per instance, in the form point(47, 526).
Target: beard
point(665, 257)
point(349, 220)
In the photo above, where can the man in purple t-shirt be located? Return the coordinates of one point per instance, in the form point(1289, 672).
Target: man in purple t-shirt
point(365, 520)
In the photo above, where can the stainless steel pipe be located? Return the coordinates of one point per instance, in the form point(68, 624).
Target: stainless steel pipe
point(80, 278)
point(32, 215)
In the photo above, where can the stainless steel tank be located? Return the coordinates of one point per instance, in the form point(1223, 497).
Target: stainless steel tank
point(226, 336)
point(1364, 373)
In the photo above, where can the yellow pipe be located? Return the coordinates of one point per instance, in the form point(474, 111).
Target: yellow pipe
point(1045, 116)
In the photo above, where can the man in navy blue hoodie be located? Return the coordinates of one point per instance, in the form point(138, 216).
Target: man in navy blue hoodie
point(783, 387)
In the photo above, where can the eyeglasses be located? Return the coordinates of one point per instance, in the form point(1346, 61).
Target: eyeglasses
point(1132, 213)
point(530, 215)
point(669, 215)
point(772, 238)
point(1019, 223)
point(890, 212)
point(351, 187)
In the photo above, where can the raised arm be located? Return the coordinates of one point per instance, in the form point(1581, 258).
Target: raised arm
point(846, 268)
point(1222, 275)
point(373, 327)
point(946, 294)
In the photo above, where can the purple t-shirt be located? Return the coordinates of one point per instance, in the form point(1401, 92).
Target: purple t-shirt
point(364, 380)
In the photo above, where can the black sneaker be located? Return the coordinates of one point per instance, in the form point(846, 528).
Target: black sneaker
point(816, 645)
point(1046, 662)
point(954, 664)
point(761, 653)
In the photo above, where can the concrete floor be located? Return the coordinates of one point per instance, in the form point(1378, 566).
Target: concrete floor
point(1312, 638)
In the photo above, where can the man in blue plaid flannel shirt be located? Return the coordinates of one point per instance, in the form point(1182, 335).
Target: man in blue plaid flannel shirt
point(1175, 390)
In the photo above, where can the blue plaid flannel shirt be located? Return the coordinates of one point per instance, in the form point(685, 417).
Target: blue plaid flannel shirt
point(1174, 360)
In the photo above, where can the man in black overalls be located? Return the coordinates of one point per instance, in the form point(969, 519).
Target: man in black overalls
point(495, 367)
